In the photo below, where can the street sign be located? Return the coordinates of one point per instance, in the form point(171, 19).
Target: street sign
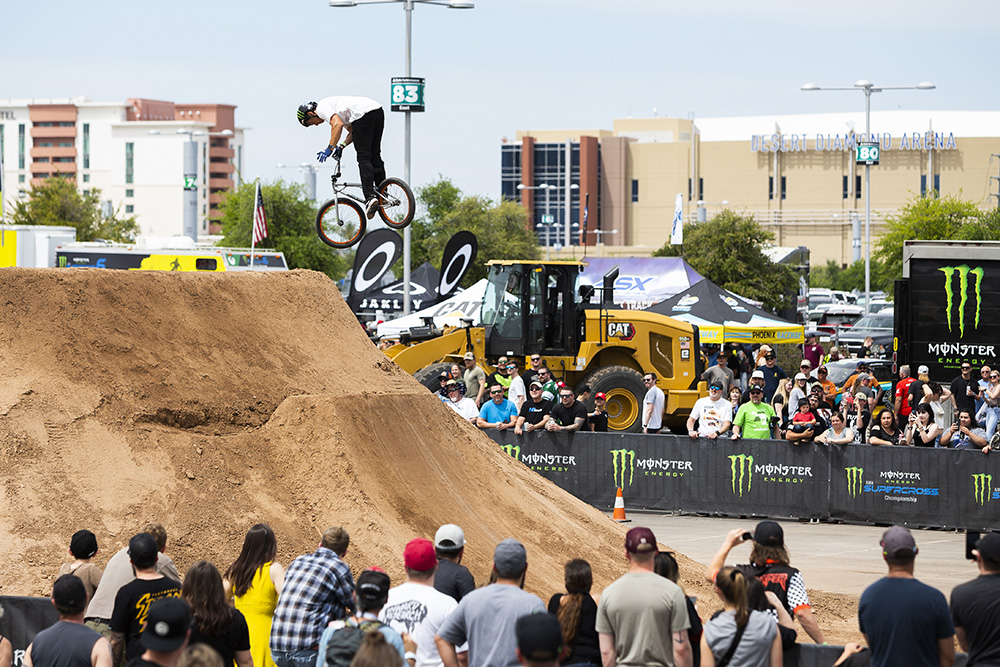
point(190, 182)
point(548, 219)
point(866, 153)
point(407, 93)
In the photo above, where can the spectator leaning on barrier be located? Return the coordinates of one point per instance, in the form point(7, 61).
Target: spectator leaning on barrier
point(498, 412)
point(964, 434)
point(535, 411)
point(754, 420)
point(975, 605)
point(569, 415)
point(769, 562)
point(714, 414)
point(905, 622)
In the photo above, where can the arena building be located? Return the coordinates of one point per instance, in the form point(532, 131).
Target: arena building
point(133, 151)
point(796, 174)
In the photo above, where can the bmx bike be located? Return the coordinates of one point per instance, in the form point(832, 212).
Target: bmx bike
point(341, 221)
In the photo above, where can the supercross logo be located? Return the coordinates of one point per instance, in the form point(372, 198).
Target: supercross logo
point(854, 481)
point(741, 466)
point(512, 450)
point(963, 272)
point(983, 488)
point(623, 460)
point(622, 330)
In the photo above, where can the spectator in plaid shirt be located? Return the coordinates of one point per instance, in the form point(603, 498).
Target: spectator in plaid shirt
point(318, 588)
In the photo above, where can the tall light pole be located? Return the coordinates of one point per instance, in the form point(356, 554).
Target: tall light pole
point(408, 8)
point(869, 88)
point(191, 183)
point(310, 172)
point(548, 187)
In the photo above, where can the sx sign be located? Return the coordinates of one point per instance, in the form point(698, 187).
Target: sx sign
point(633, 283)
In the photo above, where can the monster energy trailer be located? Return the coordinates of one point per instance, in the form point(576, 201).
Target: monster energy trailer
point(947, 306)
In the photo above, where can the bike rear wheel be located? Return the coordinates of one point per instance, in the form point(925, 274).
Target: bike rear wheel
point(340, 223)
point(396, 203)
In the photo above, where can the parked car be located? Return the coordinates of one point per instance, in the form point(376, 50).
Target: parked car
point(840, 371)
point(834, 318)
point(877, 325)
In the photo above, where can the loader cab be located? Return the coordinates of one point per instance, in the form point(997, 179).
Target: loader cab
point(531, 307)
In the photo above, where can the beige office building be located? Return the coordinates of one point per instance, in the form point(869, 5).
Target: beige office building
point(797, 175)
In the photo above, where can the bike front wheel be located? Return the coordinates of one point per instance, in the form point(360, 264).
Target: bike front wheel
point(396, 203)
point(340, 223)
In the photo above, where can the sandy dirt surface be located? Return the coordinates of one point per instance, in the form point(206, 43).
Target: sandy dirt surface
point(212, 402)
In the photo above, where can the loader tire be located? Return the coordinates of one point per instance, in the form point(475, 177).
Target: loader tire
point(624, 391)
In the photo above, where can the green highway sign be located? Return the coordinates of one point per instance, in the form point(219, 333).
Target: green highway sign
point(548, 219)
point(407, 93)
point(190, 182)
point(866, 153)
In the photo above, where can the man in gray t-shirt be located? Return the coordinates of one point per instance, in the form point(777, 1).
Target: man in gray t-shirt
point(485, 618)
point(642, 618)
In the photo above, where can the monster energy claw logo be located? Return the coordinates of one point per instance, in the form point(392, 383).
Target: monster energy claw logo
point(620, 458)
point(854, 481)
point(742, 467)
point(983, 487)
point(963, 271)
point(512, 450)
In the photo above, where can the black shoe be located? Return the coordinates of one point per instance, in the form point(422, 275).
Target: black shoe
point(371, 206)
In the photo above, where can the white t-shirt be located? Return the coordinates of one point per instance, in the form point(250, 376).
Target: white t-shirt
point(656, 397)
point(516, 393)
point(419, 610)
point(465, 406)
point(711, 415)
point(349, 109)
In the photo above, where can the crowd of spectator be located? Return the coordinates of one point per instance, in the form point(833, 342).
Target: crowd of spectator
point(316, 614)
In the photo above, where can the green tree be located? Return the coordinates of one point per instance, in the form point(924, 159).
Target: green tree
point(56, 201)
point(291, 225)
point(832, 276)
point(928, 218)
point(728, 250)
point(501, 228)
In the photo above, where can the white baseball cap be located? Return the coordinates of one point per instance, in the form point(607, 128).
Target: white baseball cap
point(449, 537)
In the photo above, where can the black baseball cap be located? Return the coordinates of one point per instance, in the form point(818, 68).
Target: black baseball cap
point(83, 544)
point(373, 586)
point(167, 624)
point(539, 636)
point(68, 591)
point(769, 534)
point(142, 550)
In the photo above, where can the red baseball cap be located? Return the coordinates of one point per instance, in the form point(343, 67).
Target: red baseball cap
point(419, 555)
point(600, 394)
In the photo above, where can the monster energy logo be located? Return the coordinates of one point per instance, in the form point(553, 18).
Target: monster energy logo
point(512, 450)
point(742, 467)
point(854, 481)
point(964, 271)
point(983, 485)
point(620, 459)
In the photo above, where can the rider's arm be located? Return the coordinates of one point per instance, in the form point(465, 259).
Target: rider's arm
point(336, 128)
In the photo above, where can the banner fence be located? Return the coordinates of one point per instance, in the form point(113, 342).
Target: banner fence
point(908, 485)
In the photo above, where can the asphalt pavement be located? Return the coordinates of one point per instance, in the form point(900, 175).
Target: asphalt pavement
point(838, 558)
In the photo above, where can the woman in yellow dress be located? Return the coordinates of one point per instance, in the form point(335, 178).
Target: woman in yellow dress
point(254, 579)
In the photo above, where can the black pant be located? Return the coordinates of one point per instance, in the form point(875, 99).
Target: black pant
point(367, 134)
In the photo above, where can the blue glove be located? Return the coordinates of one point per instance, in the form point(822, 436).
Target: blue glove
point(337, 152)
point(324, 154)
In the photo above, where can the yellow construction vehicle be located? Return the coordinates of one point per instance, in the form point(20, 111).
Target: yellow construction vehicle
point(538, 307)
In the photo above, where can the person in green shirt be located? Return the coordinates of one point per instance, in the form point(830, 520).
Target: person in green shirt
point(753, 419)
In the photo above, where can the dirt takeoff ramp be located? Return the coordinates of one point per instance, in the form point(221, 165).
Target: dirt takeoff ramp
point(211, 402)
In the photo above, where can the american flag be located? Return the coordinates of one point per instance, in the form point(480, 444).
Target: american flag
point(259, 218)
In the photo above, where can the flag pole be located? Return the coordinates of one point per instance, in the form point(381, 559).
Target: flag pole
point(253, 220)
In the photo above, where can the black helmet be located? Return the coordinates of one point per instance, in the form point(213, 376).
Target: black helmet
point(304, 110)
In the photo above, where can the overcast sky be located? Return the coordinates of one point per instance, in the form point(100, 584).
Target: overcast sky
point(503, 66)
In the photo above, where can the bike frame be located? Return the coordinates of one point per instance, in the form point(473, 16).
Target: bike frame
point(340, 189)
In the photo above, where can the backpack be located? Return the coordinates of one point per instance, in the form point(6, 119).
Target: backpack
point(344, 643)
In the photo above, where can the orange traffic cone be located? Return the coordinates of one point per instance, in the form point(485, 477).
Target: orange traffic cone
point(619, 513)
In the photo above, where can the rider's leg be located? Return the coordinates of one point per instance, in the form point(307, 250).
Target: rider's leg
point(367, 133)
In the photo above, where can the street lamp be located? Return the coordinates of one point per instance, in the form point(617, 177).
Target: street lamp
point(869, 88)
point(408, 8)
point(548, 187)
point(310, 172)
point(191, 183)
point(701, 214)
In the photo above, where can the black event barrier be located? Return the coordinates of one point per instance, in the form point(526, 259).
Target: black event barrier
point(916, 486)
point(23, 618)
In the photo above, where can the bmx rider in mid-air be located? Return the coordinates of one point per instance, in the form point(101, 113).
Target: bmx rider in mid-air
point(364, 120)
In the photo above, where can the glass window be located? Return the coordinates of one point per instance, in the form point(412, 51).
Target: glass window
point(86, 145)
point(129, 162)
point(130, 192)
point(129, 208)
point(20, 178)
point(635, 190)
point(20, 146)
point(661, 353)
point(857, 187)
point(86, 178)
